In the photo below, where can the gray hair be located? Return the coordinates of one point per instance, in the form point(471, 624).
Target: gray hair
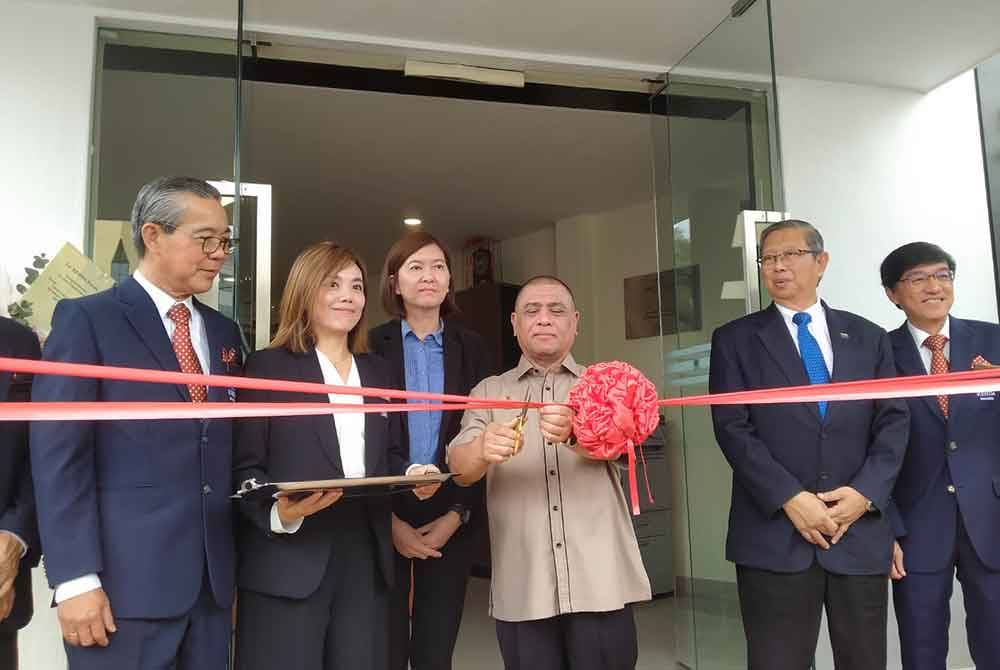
point(813, 239)
point(158, 203)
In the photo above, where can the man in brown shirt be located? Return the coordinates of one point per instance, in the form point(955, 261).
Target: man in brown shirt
point(566, 563)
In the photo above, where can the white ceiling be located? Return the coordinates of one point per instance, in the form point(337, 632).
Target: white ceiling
point(915, 44)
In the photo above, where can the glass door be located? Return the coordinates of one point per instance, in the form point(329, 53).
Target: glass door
point(716, 177)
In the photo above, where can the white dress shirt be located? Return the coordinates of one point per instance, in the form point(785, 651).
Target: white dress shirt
point(817, 327)
point(350, 427)
point(199, 339)
point(925, 354)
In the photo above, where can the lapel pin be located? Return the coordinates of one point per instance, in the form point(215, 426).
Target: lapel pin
point(845, 336)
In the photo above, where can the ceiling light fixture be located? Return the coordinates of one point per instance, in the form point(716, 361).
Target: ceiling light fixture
point(412, 221)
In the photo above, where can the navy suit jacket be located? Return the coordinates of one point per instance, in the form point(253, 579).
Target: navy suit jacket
point(777, 451)
point(144, 504)
point(298, 448)
point(962, 450)
point(17, 499)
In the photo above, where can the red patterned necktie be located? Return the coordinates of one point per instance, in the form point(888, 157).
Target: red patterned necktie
point(181, 316)
point(939, 364)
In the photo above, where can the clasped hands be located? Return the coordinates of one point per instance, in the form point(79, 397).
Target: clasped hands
point(499, 439)
point(818, 516)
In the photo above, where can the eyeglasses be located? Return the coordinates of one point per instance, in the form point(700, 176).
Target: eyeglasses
point(769, 260)
point(918, 280)
point(209, 243)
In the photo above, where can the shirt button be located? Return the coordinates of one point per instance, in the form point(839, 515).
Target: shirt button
point(951, 488)
point(953, 446)
point(558, 545)
point(552, 472)
point(555, 508)
point(206, 489)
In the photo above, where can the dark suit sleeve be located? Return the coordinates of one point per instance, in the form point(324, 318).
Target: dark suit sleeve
point(890, 432)
point(895, 519)
point(63, 455)
point(767, 481)
point(250, 447)
point(19, 517)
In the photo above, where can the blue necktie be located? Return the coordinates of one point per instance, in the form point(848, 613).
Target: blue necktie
point(812, 356)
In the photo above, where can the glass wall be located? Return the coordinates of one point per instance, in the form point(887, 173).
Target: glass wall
point(717, 180)
point(988, 84)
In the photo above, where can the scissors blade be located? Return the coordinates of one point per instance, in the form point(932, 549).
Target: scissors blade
point(524, 410)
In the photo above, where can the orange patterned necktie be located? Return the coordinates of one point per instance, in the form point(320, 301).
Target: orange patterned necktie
point(939, 364)
point(181, 316)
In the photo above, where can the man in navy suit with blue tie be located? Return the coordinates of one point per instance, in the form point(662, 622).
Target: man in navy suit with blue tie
point(134, 516)
point(810, 480)
point(948, 492)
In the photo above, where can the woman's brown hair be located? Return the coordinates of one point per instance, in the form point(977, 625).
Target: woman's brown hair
point(309, 271)
point(405, 247)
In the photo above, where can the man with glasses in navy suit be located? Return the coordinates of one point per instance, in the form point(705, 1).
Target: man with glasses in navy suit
point(135, 517)
point(810, 480)
point(948, 492)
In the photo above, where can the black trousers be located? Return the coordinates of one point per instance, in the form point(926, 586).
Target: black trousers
point(583, 641)
point(782, 614)
point(341, 626)
point(427, 639)
point(8, 651)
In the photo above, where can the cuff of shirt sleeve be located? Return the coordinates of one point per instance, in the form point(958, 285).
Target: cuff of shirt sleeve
point(434, 469)
point(20, 540)
point(77, 587)
point(280, 528)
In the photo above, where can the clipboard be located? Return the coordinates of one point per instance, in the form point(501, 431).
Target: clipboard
point(251, 489)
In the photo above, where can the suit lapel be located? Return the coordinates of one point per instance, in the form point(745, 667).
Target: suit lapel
point(324, 425)
point(452, 382)
point(961, 353)
point(141, 313)
point(393, 339)
point(215, 345)
point(777, 340)
point(842, 343)
point(909, 363)
point(368, 379)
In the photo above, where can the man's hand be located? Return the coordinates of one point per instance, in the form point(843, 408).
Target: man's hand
point(10, 561)
point(290, 511)
point(556, 422)
point(425, 492)
point(848, 506)
point(6, 598)
point(498, 442)
point(409, 543)
point(897, 571)
point(437, 533)
point(86, 619)
point(810, 517)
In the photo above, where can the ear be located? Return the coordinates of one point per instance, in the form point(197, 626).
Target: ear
point(151, 235)
point(394, 284)
point(891, 295)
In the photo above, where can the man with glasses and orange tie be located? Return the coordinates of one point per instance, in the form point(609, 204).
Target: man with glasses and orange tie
point(135, 517)
point(948, 491)
point(809, 479)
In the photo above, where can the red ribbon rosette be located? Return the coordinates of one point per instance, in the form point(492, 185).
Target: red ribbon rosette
point(616, 410)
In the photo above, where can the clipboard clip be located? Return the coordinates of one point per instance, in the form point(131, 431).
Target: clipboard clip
point(519, 426)
point(247, 487)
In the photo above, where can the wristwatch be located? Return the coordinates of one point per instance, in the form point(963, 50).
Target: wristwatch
point(870, 507)
point(462, 511)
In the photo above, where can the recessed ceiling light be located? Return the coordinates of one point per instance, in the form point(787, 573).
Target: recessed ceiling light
point(412, 222)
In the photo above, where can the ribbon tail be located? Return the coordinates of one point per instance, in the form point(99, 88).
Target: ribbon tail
point(633, 485)
point(645, 474)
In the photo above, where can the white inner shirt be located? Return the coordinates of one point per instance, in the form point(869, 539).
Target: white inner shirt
point(925, 354)
point(817, 327)
point(350, 426)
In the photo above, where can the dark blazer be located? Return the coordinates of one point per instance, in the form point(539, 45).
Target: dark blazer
point(466, 363)
point(299, 448)
point(776, 451)
point(144, 504)
point(963, 450)
point(17, 497)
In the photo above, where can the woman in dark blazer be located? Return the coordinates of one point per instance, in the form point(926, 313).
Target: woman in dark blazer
point(436, 538)
point(315, 573)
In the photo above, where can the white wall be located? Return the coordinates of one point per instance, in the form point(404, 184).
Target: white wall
point(874, 168)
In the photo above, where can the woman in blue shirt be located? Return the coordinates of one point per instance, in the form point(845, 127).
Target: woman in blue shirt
point(434, 538)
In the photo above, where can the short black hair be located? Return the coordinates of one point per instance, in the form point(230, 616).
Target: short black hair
point(909, 256)
point(544, 279)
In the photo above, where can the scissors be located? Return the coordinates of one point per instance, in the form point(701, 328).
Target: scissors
point(519, 426)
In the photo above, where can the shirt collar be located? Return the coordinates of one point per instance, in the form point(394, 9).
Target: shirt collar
point(919, 336)
point(525, 366)
point(438, 334)
point(163, 300)
point(816, 311)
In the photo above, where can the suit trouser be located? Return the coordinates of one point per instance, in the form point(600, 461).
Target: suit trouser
point(8, 650)
point(340, 626)
point(782, 614)
point(427, 638)
point(581, 641)
point(923, 609)
point(198, 640)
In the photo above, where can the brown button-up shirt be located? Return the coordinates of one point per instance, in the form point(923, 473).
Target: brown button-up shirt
point(562, 540)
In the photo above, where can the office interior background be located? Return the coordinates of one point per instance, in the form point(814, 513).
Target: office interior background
point(635, 160)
